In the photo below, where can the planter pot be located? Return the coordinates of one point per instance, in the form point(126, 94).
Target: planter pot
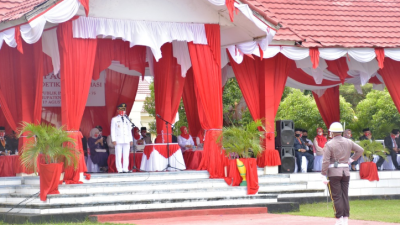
point(369, 171)
point(242, 172)
point(50, 175)
point(251, 175)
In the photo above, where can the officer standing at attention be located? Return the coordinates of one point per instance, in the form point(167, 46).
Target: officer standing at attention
point(121, 137)
point(335, 165)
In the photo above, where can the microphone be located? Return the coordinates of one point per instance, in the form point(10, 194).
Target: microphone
point(158, 116)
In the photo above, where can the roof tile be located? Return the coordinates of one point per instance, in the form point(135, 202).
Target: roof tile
point(15, 9)
point(336, 23)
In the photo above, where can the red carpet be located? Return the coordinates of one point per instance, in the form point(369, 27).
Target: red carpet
point(178, 213)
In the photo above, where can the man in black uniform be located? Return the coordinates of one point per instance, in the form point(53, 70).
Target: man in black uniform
point(5, 142)
point(367, 135)
point(391, 144)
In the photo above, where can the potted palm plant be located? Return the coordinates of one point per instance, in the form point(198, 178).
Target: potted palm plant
point(53, 149)
point(245, 144)
point(368, 169)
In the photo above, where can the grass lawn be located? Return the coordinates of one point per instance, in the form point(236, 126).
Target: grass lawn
point(373, 210)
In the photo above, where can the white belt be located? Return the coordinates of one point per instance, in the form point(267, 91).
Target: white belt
point(339, 165)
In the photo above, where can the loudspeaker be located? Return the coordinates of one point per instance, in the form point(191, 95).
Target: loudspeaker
point(287, 160)
point(284, 133)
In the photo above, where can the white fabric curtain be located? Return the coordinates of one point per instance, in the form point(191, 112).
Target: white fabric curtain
point(50, 47)
point(180, 51)
point(145, 33)
point(307, 66)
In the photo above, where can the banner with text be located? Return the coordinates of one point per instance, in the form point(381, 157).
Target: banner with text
point(52, 91)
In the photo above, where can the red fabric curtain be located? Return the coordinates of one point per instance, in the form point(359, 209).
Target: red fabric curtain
point(262, 91)
point(21, 79)
point(390, 75)
point(119, 88)
point(206, 65)
point(168, 88)
point(21, 82)
point(107, 50)
point(77, 58)
point(338, 67)
point(328, 105)
point(190, 103)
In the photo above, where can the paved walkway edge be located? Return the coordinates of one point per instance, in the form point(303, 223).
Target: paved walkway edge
point(178, 213)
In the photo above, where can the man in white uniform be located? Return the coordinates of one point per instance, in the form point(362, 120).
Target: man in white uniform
point(121, 137)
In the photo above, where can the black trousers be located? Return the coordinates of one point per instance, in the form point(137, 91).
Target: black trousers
point(393, 154)
point(339, 191)
point(308, 156)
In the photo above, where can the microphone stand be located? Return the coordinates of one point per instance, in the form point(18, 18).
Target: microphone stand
point(166, 124)
point(134, 168)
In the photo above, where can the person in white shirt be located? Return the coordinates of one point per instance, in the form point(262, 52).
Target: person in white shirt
point(121, 138)
point(200, 139)
point(185, 141)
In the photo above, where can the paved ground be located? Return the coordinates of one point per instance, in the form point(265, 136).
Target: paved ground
point(256, 219)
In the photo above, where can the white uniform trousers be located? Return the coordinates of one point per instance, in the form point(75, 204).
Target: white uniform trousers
point(122, 150)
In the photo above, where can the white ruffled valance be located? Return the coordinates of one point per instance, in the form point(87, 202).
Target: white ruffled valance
point(33, 30)
point(145, 33)
point(362, 55)
point(9, 37)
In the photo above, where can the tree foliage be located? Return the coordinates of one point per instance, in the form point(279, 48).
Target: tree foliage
point(150, 107)
point(302, 109)
point(230, 99)
point(352, 96)
point(378, 112)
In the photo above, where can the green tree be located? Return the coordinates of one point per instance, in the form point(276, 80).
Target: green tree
point(230, 98)
point(150, 107)
point(302, 109)
point(378, 112)
point(352, 96)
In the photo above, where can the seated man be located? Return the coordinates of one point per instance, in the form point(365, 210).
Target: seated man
point(308, 143)
point(300, 151)
point(146, 139)
point(391, 144)
point(6, 142)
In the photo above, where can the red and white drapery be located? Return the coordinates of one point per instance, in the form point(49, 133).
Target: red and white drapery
point(329, 105)
point(206, 66)
point(262, 82)
point(190, 104)
point(168, 88)
point(119, 88)
point(21, 82)
point(77, 60)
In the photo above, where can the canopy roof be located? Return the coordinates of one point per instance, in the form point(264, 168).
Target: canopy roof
point(15, 9)
point(334, 23)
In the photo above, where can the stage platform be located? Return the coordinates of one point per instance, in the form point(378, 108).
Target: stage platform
point(156, 191)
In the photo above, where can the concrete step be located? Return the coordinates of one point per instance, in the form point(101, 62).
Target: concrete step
point(123, 205)
point(127, 186)
point(6, 181)
point(133, 195)
point(296, 193)
point(131, 177)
